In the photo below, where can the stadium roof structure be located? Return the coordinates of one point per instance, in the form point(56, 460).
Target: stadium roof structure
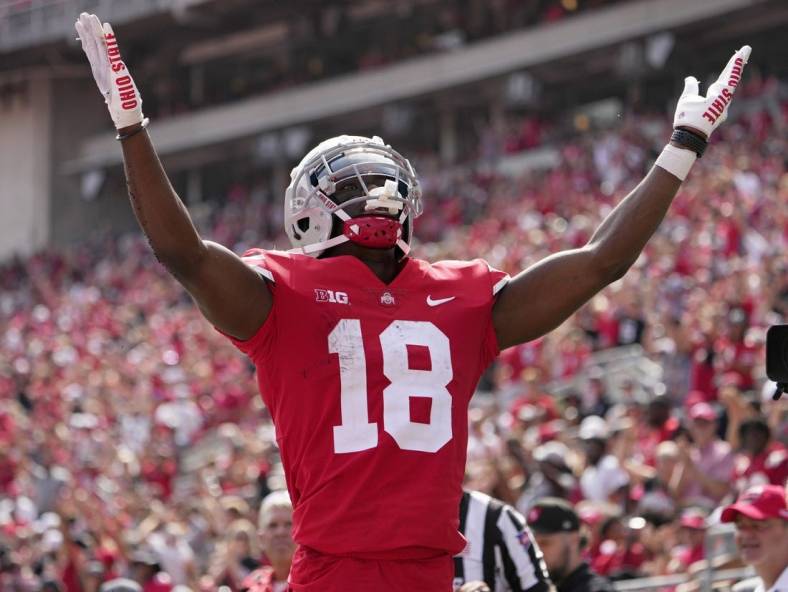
point(35, 22)
point(482, 60)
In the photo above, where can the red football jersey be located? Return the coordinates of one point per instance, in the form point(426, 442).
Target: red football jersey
point(368, 385)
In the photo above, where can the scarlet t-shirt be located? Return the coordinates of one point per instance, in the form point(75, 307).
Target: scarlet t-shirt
point(368, 385)
point(740, 358)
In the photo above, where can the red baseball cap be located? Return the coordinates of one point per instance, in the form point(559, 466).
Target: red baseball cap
point(693, 519)
point(590, 516)
point(759, 503)
point(702, 411)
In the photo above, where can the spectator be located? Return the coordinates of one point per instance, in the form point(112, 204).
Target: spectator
point(761, 518)
point(621, 553)
point(660, 426)
point(242, 545)
point(706, 463)
point(761, 460)
point(552, 476)
point(146, 571)
point(556, 528)
point(596, 401)
point(691, 538)
point(276, 540)
point(603, 476)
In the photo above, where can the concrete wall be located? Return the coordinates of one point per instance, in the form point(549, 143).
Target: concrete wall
point(39, 127)
point(80, 111)
point(25, 121)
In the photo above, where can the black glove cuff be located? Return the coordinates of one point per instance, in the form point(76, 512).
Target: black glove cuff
point(143, 125)
point(690, 141)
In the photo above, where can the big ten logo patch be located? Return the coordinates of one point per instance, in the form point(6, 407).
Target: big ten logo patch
point(322, 295)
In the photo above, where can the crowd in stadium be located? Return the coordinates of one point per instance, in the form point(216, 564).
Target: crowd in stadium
point(129, 427)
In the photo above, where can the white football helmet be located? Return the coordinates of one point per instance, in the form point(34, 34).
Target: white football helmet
point(310, 206)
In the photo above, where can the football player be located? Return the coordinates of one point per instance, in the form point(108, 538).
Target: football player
point(366, 356)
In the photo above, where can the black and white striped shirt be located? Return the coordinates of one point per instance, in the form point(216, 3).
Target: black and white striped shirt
point(500, 549)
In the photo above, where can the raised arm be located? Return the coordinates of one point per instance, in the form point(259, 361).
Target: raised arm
point(543, 296)
point(230, 294)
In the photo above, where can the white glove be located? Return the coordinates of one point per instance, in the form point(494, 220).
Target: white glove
point(112, 77)
point(706, 113)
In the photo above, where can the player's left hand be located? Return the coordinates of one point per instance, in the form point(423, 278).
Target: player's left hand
point(704, 114)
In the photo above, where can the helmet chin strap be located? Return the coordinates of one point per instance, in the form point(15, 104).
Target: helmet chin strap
point(321, 246)
point(338, 240)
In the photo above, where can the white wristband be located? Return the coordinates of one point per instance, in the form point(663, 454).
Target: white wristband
point(677, 161)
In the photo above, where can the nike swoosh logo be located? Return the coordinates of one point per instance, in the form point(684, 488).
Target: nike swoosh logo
point(439, 301)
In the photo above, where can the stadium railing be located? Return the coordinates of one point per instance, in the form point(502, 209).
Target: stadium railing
point(721, 566)
point(615, 366)
point(703, 582)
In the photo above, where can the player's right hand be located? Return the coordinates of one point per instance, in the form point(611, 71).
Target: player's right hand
point(705, 114)
point(112, 77)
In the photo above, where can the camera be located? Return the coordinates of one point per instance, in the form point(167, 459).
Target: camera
point(777, 357)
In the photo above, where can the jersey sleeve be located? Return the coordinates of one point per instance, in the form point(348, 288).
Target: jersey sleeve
point(498, 279)
point(257, 260)
point(495, 280)
point(275, 268)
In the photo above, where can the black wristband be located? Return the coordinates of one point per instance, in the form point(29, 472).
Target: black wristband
point(690, 141)
point(144, 124)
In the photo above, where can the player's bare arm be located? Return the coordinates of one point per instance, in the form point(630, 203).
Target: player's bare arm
point(229, 293)
point(543, 296)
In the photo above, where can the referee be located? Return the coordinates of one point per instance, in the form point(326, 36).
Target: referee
point(500, 555)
